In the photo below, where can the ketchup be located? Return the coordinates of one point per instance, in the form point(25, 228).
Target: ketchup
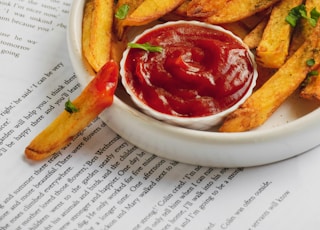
point(200, 72)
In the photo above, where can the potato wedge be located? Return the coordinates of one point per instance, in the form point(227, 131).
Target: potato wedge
point(237, 28)
point(253, 38)
point(97, 29)
point(181, 10)
point(303, 28)
point(273, 48)
point(312, 90)
point(86, 33)
point(97, 96)
point(204, 8)
point(235, 10)
point(119, 23)
point(117, 48)
point(150, 10)
point(263, 102)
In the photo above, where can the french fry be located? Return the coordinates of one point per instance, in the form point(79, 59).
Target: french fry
point(263, 102)
point(303, 28)
point(235, 10)
point(119, 23)
point(204, 8)
point(97, 30)
point(150, 10)
point(237, 28)
point(97, 96)
point(182, 9)
point(312, 90)
point(273, 48)
point(117, 48)
point(253, 38)
point(86, 33)
point(252, 21)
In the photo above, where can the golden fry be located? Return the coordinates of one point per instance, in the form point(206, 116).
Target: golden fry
point(273, 48)
point(204, 8)
point(97, 96)
point(97, 30)
point(312, 90)
point(119, 23)
point(253, 38)
point(303, 28)
point(237, 28)
point(235, 10)
point(86, 33)
point(150, 10)
point(263, 102)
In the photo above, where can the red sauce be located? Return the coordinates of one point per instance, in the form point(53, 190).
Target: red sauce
point(199, 72)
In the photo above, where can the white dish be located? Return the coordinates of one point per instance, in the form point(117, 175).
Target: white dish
point(292, 130)
point(199, 123)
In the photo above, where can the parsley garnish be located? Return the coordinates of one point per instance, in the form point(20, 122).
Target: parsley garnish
point(313, 73)
point(298, 12)
point(70, 107)
point(314, 16)
point(146, 46)
point(122, 12)
point(295, 14)
point(310, 62)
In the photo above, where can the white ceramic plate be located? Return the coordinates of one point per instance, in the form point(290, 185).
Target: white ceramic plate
point(292, 130)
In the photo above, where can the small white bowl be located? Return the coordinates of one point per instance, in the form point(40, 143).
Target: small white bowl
point(195, 122)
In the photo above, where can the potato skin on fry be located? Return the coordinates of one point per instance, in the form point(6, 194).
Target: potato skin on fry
point(97, 96)
point(97, 32)
point(235, 10)
point(263, 102)
point(273, 48)
point(312, 90)
point(150, 10)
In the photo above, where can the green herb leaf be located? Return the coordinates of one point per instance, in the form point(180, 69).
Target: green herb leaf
point(70, 107)
point(307, 80)
point(298, 12)
point(314, 16)
point(295, 14)
point(122, 12)
point(145, 46)
point(313, 73)
point(310, 62)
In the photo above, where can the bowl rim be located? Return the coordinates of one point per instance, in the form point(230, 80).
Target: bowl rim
point(199, 122)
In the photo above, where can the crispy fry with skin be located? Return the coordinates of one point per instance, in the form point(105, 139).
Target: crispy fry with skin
point(273, 48)
point(235, 10)
point(263, 102)
point(182, 9)
point(117, 48)
point(312, 90)
point(97, 30)
point(150, 10)
point(253, 38)
point(97, 96)
point(204, 8)
point(252, 21)
point(86, 30)
point(119, 23)
point(303, 28)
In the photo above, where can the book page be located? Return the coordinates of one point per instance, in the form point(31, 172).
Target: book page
point(100, 180)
